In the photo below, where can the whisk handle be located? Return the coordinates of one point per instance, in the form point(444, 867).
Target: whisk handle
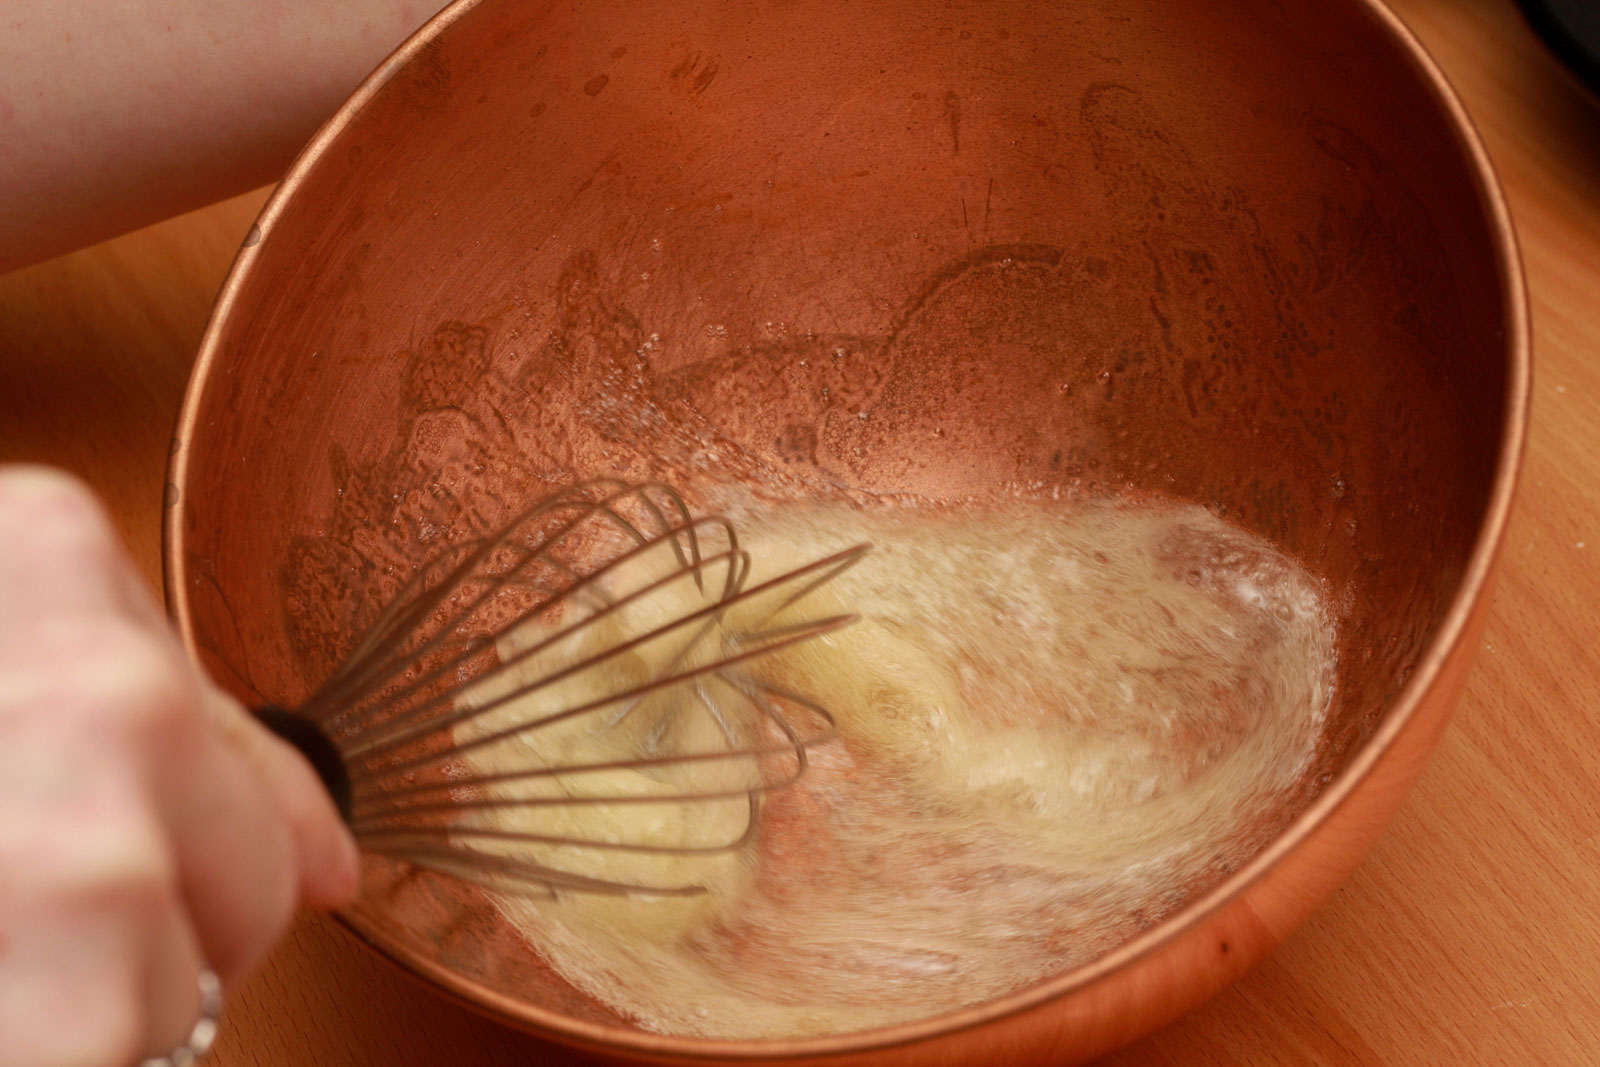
point(318, 749)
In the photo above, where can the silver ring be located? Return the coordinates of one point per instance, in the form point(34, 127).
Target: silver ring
point(205, 1027)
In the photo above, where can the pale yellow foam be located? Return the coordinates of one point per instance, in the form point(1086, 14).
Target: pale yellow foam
point(1056, 722)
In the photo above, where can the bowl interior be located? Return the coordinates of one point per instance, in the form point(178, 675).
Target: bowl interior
point(1231, 252)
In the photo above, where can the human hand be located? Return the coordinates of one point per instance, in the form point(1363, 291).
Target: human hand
point(148, 826)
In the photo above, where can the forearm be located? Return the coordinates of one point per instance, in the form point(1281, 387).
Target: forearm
point(117, 113)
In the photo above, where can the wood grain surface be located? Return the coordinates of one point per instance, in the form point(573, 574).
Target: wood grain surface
point(1472, 933)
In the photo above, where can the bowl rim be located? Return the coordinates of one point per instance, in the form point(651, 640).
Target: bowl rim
point(1443, 646)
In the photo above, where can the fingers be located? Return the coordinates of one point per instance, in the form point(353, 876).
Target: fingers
point(94, 989)
point(171, 977)
point(147, 824)
point(266, 837)
point(98, 964)
point(95, 684)
point(59, 556)
point(234, 854)
point(325, 853)
point(62, 560)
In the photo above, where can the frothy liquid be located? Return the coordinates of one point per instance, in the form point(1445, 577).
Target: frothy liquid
point(1056, 725)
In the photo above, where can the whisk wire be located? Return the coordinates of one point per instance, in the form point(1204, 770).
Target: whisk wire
point(800, 633)
point(371, 807)
point(523, 837)
point(505, 874)
point(395, 729)
point(498, 638)
point(386, 738)
point(366, 669)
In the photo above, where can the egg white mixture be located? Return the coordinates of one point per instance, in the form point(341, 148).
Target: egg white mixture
point(1056, 723)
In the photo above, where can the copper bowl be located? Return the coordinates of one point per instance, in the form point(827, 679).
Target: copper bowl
point(1244, 253)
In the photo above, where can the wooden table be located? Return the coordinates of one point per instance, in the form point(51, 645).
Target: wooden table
point(1471, 935)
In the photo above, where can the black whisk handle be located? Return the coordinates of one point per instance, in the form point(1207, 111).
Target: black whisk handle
point(318, 749)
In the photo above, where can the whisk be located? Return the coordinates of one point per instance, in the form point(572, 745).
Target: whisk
point(592, 655)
